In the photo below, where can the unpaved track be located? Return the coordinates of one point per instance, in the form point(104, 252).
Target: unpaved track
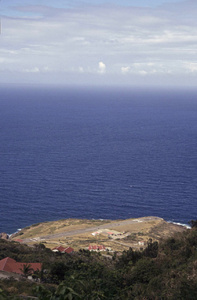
point(92, 229)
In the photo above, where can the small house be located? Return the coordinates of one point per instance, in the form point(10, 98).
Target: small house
point(61, 249)
point(10, 265)
point(96, 248)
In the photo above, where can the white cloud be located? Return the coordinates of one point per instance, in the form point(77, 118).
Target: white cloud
point(2, 60)
point(46, 69)
point(102, 67)
point(143, 72)
point(192, 67)
point(33, 70)
point(130, 40)
point(125, 70)
point(81, 70)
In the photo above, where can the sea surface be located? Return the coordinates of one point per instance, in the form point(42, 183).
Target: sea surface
point(97, 154)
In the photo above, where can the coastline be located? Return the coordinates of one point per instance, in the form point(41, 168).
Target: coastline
point(180, 224)
point(118, 235)
point(100, 219)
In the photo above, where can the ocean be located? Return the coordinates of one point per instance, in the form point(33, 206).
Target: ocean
point(96, 153)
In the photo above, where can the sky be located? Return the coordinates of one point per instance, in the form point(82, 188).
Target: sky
point(101, 42)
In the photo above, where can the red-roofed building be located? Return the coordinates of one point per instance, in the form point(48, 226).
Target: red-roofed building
point(110, 233)
point(69, 250)
point(101, 247)
point(96, 248)
point(58, 249)
point(10, 265)
point(63, 250)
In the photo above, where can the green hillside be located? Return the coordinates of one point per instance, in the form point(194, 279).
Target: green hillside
point(167, 270)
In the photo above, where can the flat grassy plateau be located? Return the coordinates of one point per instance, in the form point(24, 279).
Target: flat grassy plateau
point(115, 235)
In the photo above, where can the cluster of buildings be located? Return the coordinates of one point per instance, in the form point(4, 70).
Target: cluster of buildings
point(98, 248)
point(112, 234)
point(11, 266)
point(61, 249)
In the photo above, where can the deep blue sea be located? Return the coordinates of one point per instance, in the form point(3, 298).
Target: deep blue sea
point(97, 153)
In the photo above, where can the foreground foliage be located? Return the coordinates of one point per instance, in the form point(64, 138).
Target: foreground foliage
point(164, 271)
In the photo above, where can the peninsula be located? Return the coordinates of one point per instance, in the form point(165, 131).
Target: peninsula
point(115, 235)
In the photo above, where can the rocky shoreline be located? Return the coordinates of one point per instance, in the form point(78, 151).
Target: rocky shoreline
point(4, 236)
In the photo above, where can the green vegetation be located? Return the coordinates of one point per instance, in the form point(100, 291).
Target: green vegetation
point(27, 270)
point(167, 270)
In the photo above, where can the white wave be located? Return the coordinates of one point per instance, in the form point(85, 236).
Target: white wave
point(180, 224)
point(18, 230)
